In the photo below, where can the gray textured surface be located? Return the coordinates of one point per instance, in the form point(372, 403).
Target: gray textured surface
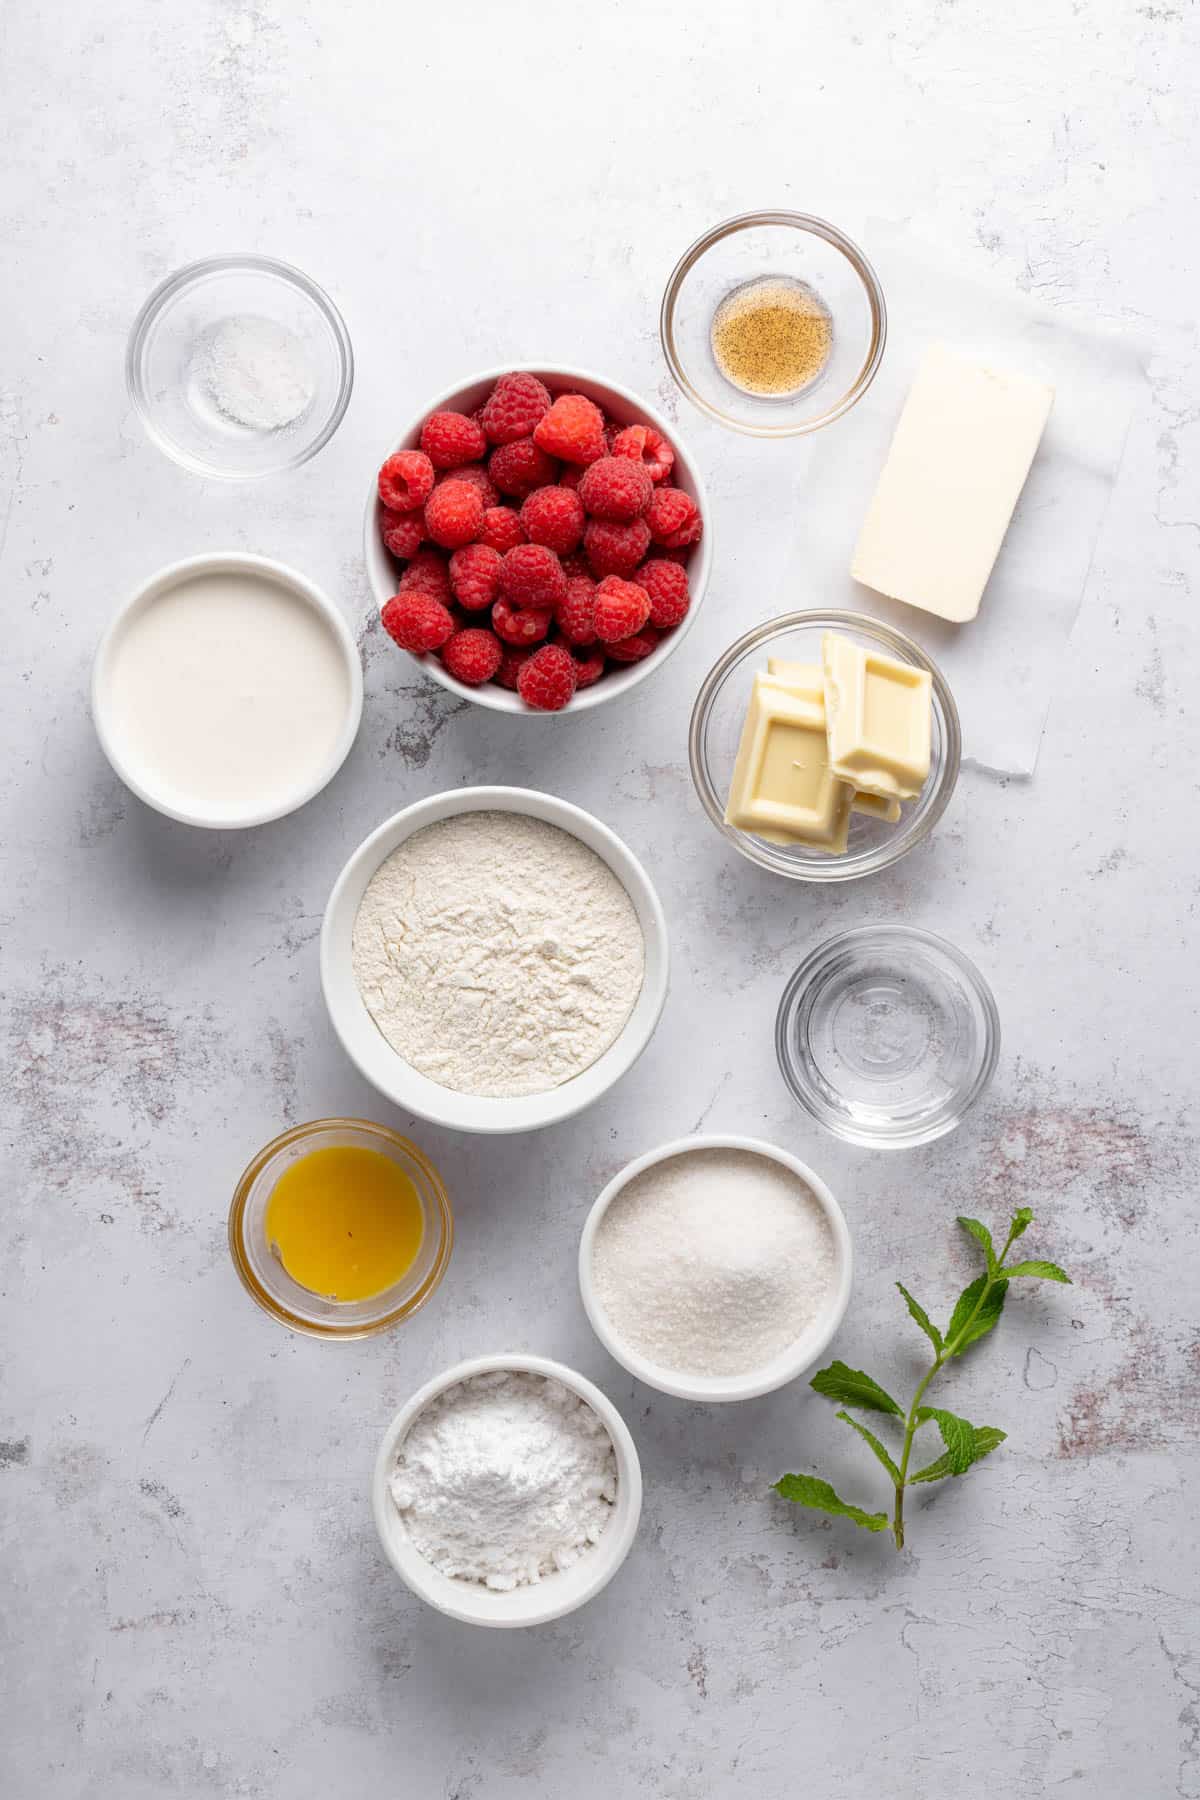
point(194, 1600)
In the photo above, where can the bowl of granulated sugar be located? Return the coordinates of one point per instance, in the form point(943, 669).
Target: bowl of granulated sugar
point(716, 1268)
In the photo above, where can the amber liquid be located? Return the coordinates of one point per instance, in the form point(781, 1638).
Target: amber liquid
point(345, 1222)
point(772, 337)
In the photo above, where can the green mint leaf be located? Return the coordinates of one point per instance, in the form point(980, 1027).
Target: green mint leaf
point(922, 1317)
point(975, 1312)
point(810, 1490)
point(1042, 1271)
point(880, 1451)
point(985, 1438)
point(957, 1435)
point(853, 1388)
point(1022, 1219)
point(983, 1237)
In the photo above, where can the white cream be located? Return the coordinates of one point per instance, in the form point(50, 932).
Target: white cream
point(226, 695)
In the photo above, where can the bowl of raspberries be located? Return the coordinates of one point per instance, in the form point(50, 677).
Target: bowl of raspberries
point(537, 540)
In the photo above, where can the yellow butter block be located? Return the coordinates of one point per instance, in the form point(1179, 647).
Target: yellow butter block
point(879, 715)
point(782, 781)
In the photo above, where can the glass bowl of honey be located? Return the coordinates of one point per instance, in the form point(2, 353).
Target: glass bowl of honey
point(774, 323)
point(340, 1228)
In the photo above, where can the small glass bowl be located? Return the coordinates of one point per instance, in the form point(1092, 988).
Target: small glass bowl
point(173, 334)
point(793, 247)
point(887, 1035)
point(268, 1281)
point(716, 730)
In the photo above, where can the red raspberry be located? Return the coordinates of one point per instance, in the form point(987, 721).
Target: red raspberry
point(674, 518)
point(475, 576)
point(513, 408)
point(553, 516)
point(667, 585)
point(502, 529)
point(453, 514)
point(521, 625)
point(531, 575)
point(450, 439)
point(573, 429)
point(622, 607)
point(571, 476)
point(549, 679)
point(575, 564)
point(427, 574)
point(615, 488)
point(512, 662)
point(518, 468)
point(590, 664)
point(416, 622)
point(472, 656)
point(402, 533)
point(615, 549)
point(647, 447)
point(479, 479)
point(405, 481)
point(632, 649)
point(576, 615)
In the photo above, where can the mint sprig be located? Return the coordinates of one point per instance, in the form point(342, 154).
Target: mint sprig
point(976, 1312)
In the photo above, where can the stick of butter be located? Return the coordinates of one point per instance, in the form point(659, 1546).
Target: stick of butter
point(962, 449)
point(879, 717)
point(782, 781)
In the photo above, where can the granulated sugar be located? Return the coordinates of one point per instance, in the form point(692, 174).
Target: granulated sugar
point(714, 1262)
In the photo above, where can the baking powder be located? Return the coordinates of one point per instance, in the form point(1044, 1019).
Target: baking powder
point(497, 954)
point(504, 1478)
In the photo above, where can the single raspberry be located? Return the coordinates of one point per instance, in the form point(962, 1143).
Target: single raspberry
point(531, 575)
point(573, 429)
point(475, 576)
point(571, 476)
point(622, 607)
point(521, 625)
point(405, 481)
point(647, 447)
point(472, 656)
point(553, 516)
point(615, 488)
point(450, 439)
point(518, 468)
point(501, 529)
point(427, 574)
point(615, 549)
point(402, 533)
point(667, 585)
point(575, 615)
point(590, 664)
point(478, 478)
point(633, 649)
point(513, 407)
point(416, 622)
point(674, 518)
point(512, 661)
point(453, 514)
point(549, 679)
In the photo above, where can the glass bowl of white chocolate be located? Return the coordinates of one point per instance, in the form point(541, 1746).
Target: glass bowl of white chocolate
point(824, 745)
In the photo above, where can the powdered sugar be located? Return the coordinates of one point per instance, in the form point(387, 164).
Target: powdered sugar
point(497, 954)
point(713, 1262)
point(504, 1478)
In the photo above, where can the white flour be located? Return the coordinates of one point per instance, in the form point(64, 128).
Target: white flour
point(258, 372)
point(713, 1262)
point(497, 954)
point(505, 1478)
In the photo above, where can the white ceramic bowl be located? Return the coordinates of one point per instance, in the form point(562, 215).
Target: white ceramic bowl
point(620, 404)
point(386, 1069)
point(108, 726)
point(556, 1594)
point(796, 1359)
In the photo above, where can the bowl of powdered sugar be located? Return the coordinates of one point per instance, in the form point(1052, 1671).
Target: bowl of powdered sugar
point(507, 1492)
point(716, 1268)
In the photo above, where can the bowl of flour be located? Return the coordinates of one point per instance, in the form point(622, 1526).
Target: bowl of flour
point(507, 1492)
point(716, 1268)
point(493, 959)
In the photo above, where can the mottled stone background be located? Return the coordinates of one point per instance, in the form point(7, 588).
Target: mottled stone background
point(194, 1602)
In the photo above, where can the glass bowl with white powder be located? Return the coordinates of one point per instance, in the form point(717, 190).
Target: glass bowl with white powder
point(507, 1492)
point(239, 366)
point(716, 1268)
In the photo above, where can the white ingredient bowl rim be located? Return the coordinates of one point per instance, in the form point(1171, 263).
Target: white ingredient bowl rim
point(386, 1069)
point(555, 1595)
point(382, 578)
point(798, 1358)
point(223, 562)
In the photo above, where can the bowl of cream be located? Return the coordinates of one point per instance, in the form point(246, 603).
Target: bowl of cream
point(227, 691)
